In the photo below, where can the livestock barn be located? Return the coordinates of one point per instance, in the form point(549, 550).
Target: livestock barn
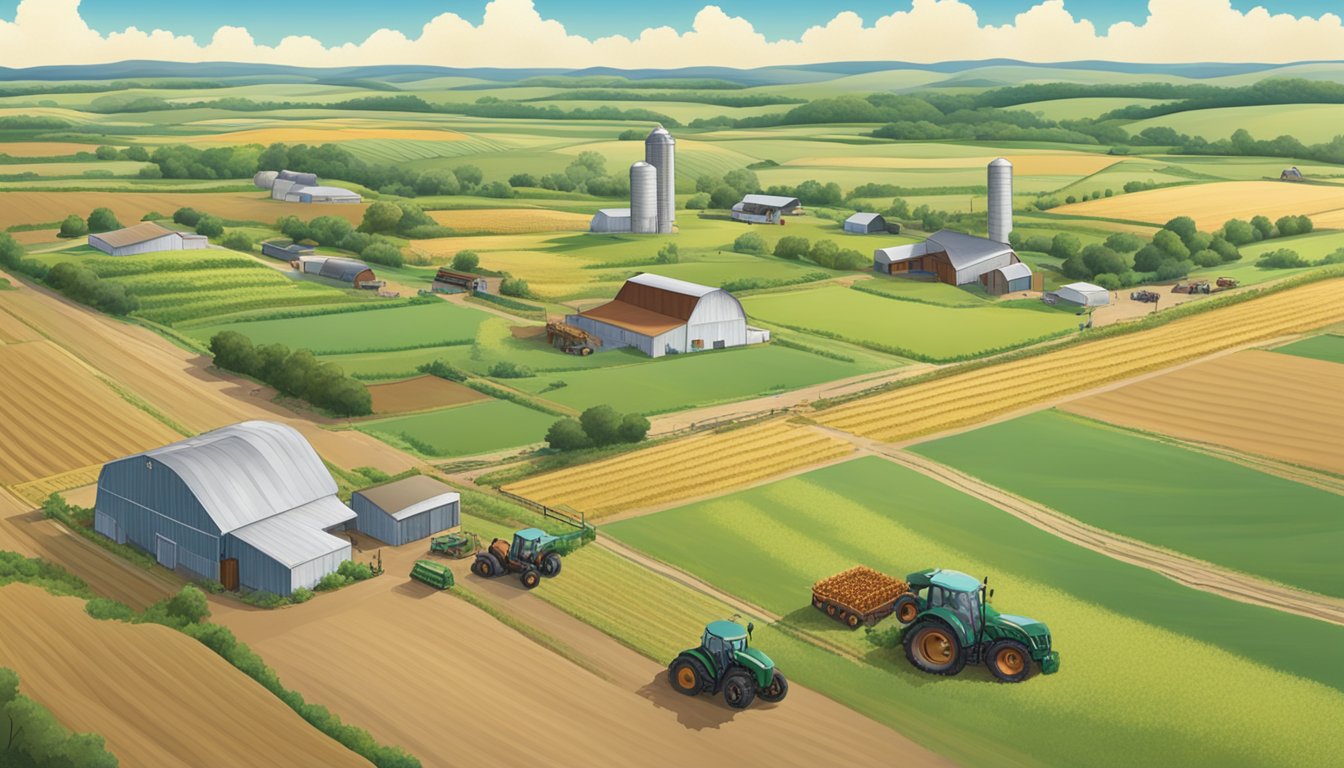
point(250, 505)
point(1010, 279)
point(146, 237)
point(870, 224)
point(297, 187)
point(407, 510)
point(286, 251)
point(949, 257)
point(357, 273)
point(661, 315)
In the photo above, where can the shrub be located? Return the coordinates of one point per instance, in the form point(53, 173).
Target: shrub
point(103, 608)
point(1124, 242)
point(381, 216)
point(187, 216)
point(697, 202)
point(301, 595)
point(238, 241)
point(514, 286)
point(602, 424)
point(443, 371)
point(263, 599)
point(103, 220)
point(354, 571)
point(1283, 258)
point(750, 242)
point(466, 261)
point(633, 428)
point(567, 435)
point(507, 369)
point(1171, 270)
point(331, 581)
point(792, 247)
point(1206, 258)
point(524, 180)
point(152, 216)
point(189, 605)
point(668, 254)
point(383, 252)
point(1107, 280)
point(210, 226)
point(1065, 246)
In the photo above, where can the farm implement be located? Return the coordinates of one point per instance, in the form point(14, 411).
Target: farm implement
point(860, 596)
point(724, 663)
point(455, 545)
point(1194, 286)
point(432, 573)
point(1145, 297)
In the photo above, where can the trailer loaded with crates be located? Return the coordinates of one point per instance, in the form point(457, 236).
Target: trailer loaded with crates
point(859, 596)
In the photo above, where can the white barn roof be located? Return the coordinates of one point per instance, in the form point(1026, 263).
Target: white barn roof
point(1086, 294)
point(901, 252)
point(771, 201)
point(248, 472)
point(966, 250)
point(298, 536)
point(863, 218)
point(672, 284)
point(1015, 271)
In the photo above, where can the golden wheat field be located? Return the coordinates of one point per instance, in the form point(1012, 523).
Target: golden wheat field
point(509, 221)
point(1264, 403)
point(43, 148)
point(57, 416)
point(1211, 205)
point(982, 394)
point(319, 133)
point(684, 469)
point(42, 207)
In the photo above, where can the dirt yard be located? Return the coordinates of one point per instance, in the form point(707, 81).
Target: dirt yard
point(1262, 403)
point(157, 696)
point(420, 394)
point(46, 207)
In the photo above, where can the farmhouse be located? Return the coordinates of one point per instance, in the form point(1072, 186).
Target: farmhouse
point(766, 209)
point(357, 273)
point(146, 237)
point(949, 257)
point(296, 187)
point(250, 505)
point(1084, 294)
point(870, 223)
point(660, 315)
point(610, 220)
point(1010, 279)
point(286, 251)
point(406, 510)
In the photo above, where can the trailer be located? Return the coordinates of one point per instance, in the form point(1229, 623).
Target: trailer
point(859, 596)
point(1194, 286)
point(1145, 297)
point(448, 281)
point(571, 339)
point(1227, 282)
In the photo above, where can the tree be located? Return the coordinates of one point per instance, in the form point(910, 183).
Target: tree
point(633, 428)
point(567, 435)
point(238, 240)
point(723, 196)
point(823, 252)
point(189, 216)
point(73, 226)
point(523, 180)
point(1124, 242)
point(1098, 259)
point(1198, 241)
point(471, 176)
point(210, 226)
point(1206, 258)
point(1283, 258)
point(152, 216)
point(1107, 280)
point(602, 424)
point(514, 286)
point(466, 261)
point(1171, 244)
point(668, 254)
point(383, 252)
point(1240, 232)
point(792, 247)
point(697, 202)
point(1226, 250)
point(233, 351)
point(1264, 227)
point(1065, 246)
point(1149, 258)
point(437, 181)
point(705, 183)
point(499, 189)
point(1183, 226)
point(1293, 225)
point(103, 220)
point(189, 605)
point(899, 209)
point(382, 216)
point(137, 153)
point(1173, 269)
point(105, 153)
point(750, 242)
point(743, 180)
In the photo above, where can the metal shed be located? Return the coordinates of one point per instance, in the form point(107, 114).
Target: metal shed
point(407, 510)
point(1084, 294)
point(255, 493)
point(610, 220)
point(146, 237)
point(865, 224)
point(952, 257)
point(765, 209)
point(1009, 279)
point(286, 251)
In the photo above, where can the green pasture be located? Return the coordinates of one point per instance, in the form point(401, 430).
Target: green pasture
point(1080, 108)
point(677, 382)
point(1159, 492)
point(1152, 672)
point(1329, 347)
point(463, 430)
point(424, 325)
point(1310, 123)
point(925, 330)
point(921, 291)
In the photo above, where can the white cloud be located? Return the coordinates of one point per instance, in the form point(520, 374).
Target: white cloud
point(513, 34)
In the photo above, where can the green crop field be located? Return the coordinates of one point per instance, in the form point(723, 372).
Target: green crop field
point(677, 382)
point(933, 332)
point(1152, 672)
point(1310, 123)
point(1327, 346)
point(1177, 498)
point(464, 430)
point(1079, 108)
point(425, 325)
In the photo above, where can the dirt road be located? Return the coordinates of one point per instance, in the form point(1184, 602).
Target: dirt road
point(157, 696)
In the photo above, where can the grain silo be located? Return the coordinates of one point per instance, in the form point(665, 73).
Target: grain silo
point(660, 152)
point(265, 179)
point(1000, 200)
point(643, 199)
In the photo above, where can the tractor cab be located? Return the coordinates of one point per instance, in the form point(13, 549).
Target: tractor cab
point(528, 543)
point(723, 640)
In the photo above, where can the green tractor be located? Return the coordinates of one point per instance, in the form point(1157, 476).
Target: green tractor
point(532, 555)
point(949, 623)
point(724, 663)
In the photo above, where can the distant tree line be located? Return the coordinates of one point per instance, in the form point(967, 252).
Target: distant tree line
point(716, 99)
point(596, 427)
point(296, 373)
point(586, 174)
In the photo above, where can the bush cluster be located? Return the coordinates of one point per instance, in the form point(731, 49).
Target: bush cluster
point(596, 427)
point(83, 285)
point(348, 572)
point(295, 373)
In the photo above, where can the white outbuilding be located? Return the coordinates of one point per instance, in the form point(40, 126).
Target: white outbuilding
point(661, 315)
point(610, 220)
point(866, 224)
point(1084, 294)
point(146, 237)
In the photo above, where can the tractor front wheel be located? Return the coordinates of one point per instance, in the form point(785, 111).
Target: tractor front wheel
point(531, 578)
point(777, 690)
point(1009, 661)
point(687, 676)
point(739, 689)
point(932, 647)
point(550, 565)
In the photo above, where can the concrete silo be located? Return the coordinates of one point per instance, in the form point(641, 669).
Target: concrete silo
point(1000, 200)
point(660, 151)
point(643, 198)
point(265, 179)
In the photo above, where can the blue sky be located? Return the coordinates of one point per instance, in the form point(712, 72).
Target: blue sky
point(341, 21)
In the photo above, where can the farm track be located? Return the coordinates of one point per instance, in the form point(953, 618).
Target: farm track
point(975, 396)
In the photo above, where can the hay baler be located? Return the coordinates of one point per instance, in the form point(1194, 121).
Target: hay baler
point(532, 554)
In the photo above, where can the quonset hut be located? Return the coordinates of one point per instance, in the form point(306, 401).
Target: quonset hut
point(250, 505)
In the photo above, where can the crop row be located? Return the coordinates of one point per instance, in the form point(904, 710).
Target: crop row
point(150, 285)
point(227, 305)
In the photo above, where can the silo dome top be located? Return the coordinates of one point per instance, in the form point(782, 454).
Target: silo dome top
point(640, 164)
point(1000, 163)
point(659, 135)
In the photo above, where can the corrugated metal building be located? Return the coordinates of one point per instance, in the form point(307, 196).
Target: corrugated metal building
point(286, 251)
point(766, 209)
point(146, 237)
point(951, 257)
point(1009, 279)
point(297, 187)
point(407, 510)
point(660, 315)
point(254, 492)
point(357, 273)
point(610, 220)
point(867, 224)
point(1084, 294)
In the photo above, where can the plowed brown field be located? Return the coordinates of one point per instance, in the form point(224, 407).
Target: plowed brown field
point(984, 393)
point(1280, 406)
point(57, 416)
point(420, 394)
point(42, 207)
point(157, 696)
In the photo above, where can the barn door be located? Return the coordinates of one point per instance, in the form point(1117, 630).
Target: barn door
point(165, 551)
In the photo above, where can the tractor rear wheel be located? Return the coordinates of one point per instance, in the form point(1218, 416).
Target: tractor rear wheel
point(487, 565)
point(739, 689)
point(777, 690)
point(906, 609)
point(687, 676)
point(550, 565)
point(531, 578)
point(1009, 661)
point(932, 647)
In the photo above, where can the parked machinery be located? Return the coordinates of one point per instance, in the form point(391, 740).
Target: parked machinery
point(570, 339)
point(725, 663)
point(432, 573)
point(1194, 286)
point(950, 624)
point(1146, 297)
point(455, 545)
point(532, 554)
point(1227, 282)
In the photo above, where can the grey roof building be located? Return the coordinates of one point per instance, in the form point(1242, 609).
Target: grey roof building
point(252, 496)
point(286, 251)
point(611, 220)
point(146, 237)
point(357, 273)
point(865, 224)
point(766, 209)
point(951, 257)
point(407, 510)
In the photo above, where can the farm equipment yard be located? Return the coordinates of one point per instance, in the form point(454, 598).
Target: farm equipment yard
point(979, 413)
